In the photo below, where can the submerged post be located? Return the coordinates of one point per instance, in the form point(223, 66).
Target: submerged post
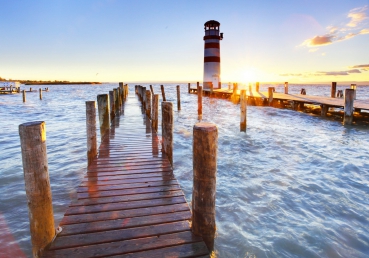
point(205, 145)
point(178, 97)
point(199, 100)
point(103, 108)
point(349, 107)
point(167, 129)
point(285, 87)
point(37, 184)
point(163, 92)
point(91, 131)
point(148, 103)
point(40, 92)
point(24, 95)
point(270, 95)
point(243, 106)
point(333, 89)
point(155, 112)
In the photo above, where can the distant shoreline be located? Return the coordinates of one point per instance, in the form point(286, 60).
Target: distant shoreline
point(59, 83)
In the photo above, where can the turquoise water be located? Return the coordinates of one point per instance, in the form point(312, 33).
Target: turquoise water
point(293, 185)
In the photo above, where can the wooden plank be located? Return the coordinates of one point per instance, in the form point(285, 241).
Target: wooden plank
point(99, 226)
point(124, 205)
point(119, 235)
point(121, 214)
point(112, 172)
point(128, 246)
point(126, 186)
point(126, 198)
point(92, 182)
point(99, 194)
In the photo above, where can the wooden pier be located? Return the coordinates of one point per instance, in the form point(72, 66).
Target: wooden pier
point(129, 204)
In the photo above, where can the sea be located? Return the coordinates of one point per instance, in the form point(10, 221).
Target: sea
point(293, 185)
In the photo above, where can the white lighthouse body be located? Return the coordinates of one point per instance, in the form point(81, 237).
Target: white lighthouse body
point(212, 55)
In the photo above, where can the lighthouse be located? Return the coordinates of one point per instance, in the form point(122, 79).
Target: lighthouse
point(212, 55)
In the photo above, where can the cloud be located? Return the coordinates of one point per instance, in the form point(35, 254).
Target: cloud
point(357, 25)
point(364, 67)
point(291, 74)
point(354, 71)
point(333, 73)
point(357, 16)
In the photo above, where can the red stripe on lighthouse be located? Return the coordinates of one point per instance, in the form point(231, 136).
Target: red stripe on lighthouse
point(211, 59)
point(212, 45)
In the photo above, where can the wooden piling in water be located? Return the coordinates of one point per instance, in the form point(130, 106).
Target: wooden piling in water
point(205, 145)
point(167, 129)
point(333, 89)
point(40, 93)
point(197, 84)
point(353, 87)
point(112, 104)
point(91, 130)
point(163, 92)
point(155, 112)
point(152, 90)
point(148, 103)
point(349, 106)
point(104, 114)
point(324, 110)
point(285, 87)
point(116, 102)
point(189, 87)
point(243, 107)
point(270, 95)
point(250, 87)
point(37, 184)
point(24, 95)
point(257, 87)
point(234, 96)
point(199, 100)
point(178, 97)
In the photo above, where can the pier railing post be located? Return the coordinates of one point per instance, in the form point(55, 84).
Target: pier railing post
point(37, 184)
point(155, 112)
point(243, 106)
point(257, 87)
point(178, 97)
point(285, 87)
point(148, 103)
point(163, 92)
point(167, 129)
point(270, 95)
point(91, 131)
point(40, 92)
point(349, 106)
point(205, 145)
point(104, 114)
point(333, 89)
point(199, 100)
point(24, 95)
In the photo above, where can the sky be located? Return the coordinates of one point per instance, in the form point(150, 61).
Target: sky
point(299, 41)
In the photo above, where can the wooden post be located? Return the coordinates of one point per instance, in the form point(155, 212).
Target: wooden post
point(103, 108)
point(270, 96)
point(148, 104)
point(37, 184)
point(116, 102)
point(199, 100)
point(229, 86)
point(250, 87)
point(155, 112)
point(163, 92)
point(243, 120)
point(40, 93)
point(257, 87)
point(349, 107)
point(353, 87)
point(167, 129)
point(324, 110)
point(333, 89)
point(285, 87)
point(205, 145)
point(91, 130)
point(197, 85)
point(152, 90)
point(24, 95)
point(144, 98)
point(112, 106)
point(189, 87)
point(211, 88)
point(178, 97)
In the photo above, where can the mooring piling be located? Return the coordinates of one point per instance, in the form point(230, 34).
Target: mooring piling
point(205, 145)
point(199, 100)
point(37, 184)
point(243, 107)
point(349, 106)
point(104, 114)
point(333, 89)
point(167, 129)
point(148, 103)
point(91, 130)
point(285, 87)
point(178, 97)
point(155, 112)
point(163, 92)
point(24, 95)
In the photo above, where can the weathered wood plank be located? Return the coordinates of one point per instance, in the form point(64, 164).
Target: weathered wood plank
point(93, 182)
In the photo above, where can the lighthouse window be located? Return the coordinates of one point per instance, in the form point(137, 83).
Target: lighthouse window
point(216, 28)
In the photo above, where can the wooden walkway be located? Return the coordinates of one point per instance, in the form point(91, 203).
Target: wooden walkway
point(298, 98)
point(129, 203)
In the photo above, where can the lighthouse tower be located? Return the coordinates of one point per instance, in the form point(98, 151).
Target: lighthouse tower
point(212, 55)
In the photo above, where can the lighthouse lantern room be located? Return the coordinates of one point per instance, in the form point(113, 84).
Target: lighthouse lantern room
point(212, 55)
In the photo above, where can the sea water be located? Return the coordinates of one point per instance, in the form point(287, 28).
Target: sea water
point(292, 185)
